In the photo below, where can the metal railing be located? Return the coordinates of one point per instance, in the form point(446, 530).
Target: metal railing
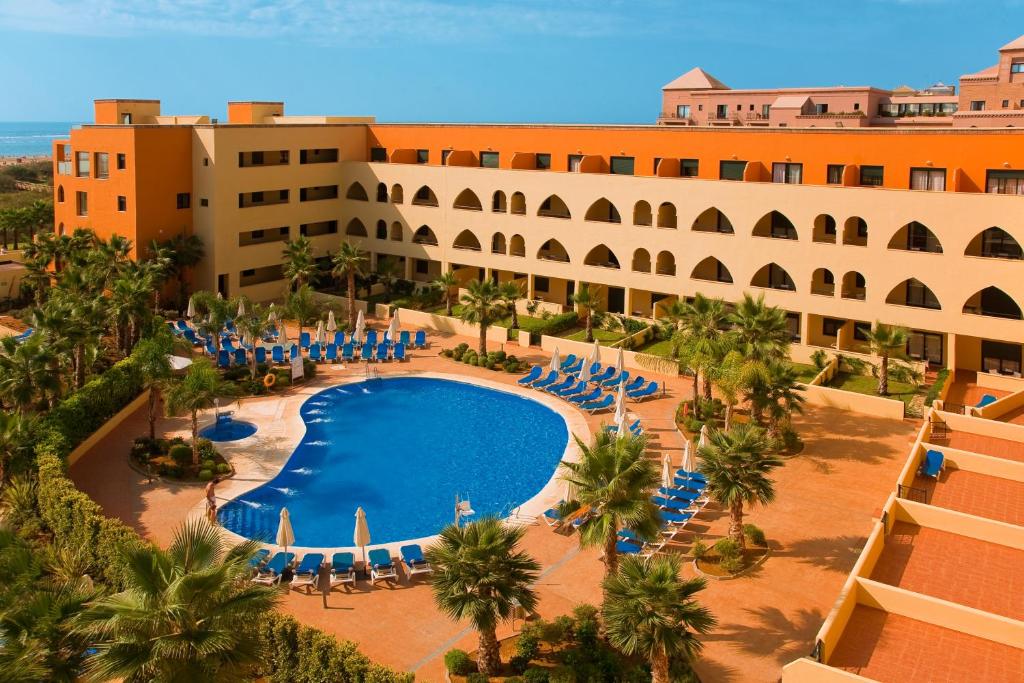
point(913, 493)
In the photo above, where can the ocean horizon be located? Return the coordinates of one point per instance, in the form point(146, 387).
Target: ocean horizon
point(31, 138)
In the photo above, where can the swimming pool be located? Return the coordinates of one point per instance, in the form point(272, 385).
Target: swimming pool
point(228, 430)
point(403, 448)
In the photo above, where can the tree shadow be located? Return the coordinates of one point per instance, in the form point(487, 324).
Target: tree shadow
point(837, 553)
point(773, 633)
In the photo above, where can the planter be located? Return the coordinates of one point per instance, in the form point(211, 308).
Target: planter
point(746, 570)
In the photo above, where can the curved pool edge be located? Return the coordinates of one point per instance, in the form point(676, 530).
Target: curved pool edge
point(282, 429)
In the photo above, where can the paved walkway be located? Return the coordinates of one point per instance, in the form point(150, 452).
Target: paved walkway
point(827, 497)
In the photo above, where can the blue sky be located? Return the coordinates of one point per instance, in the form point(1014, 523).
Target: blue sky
point(458, 60)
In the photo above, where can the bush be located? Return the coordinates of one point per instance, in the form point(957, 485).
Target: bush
point(514, 679)
point(819, 359)
point(208, 465)
point(528, 644)
point(699, 549)
point(754, 534)
point(205, 475)
point(727, 548)
point(477, 678)
point(181, 454)
point(936, 389)
point(535, 675)
point(731, 564)
point(223, 468)
point(518, 663)
point(447, 353)
point(458, 662)
point(459, 351)
point(554, 325)
point(562, 674)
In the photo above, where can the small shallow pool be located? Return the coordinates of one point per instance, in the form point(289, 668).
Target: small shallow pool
point(228, 430)
point(403, 448)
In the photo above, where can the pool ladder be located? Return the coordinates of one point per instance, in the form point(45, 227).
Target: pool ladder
point(372, 372)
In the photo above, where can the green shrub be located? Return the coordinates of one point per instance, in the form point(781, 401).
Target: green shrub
point(819, 359)
point(727, 548)
point(171, 470)
point(754, 534)
point(458, 662)
point(518, 663)
point(731, 564)
point(699, 549)
point(459, 351)
point(936, 389)
point(528, 644)
point(557, 630)
point(205, 475)
point(562, 674)
point(553, 325)
point(477, 678)
point(223, 468)
point(181, 454)
point(514, 679)
point(447, 353)
point(535, 675)
point(208, 465)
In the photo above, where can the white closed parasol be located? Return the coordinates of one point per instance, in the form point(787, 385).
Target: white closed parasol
point(285, 534)
point(331, 324)
point(361, 535)
point(556, 362)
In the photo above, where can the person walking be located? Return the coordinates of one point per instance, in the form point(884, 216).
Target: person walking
point(323, 581)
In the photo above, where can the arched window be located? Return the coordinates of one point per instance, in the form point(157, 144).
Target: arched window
point(468, 200)
point(425, 197)
point(712, 270)
point(517, 246)
point(854, 286)
point(60, 194)
point(824, 229)
point(382, 193)
point(355, 228)
point(994, 242)
point(667, 215)
point(497, 243)
point(424, 235)
point(855, 231)
point(641, 261)
point(602, 257)
point(498, 202)
point(517, 204)
point(666, 263)
point(604, 211)
point(775, 224)
point(993, 302)
point(552, 250)
point(357, 192)
point(913, 292)
point(773, 276)
point(396, 231)
point(713, 220)
point(397, 195)
point(554, 207)
point(466, 240)
point(916, 236)
point(382, 230)
point(642, 213)
point(823, 282)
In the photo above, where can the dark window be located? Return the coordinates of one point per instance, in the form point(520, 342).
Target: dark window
point(422, 156)
point(1000, 357)
point(122, 162)
point(835, 174)
point(319, 156)
point(622, 165)
point(1005, 182)
point(445, 153)
point(722, 273)
point(122, 203)
point(378, 154)
point(920, 296)
point(997, 243)
point(856, 106)
point(262, 236)
point(731, 170)
point(382, 230)
point(206, 161)
point(830, 326)
point(920, 238)
point(830, 225)
point(861, 331)
point(862, 230)
point(542, 162)
point(977, 105)
point(184, 200)
point(422, 267)
point(872, 176)
point(319, 228)
point(932, 179)
point(821, 109)
point(1006, 104)
point(688, 168)
point(488, 160)
point(541, 284)
point(574, 162)
point(203, 201)
point(828, 278)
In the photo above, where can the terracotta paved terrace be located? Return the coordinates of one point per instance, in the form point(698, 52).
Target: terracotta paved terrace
point(827, 497)
point(965, 390)
point(976, 494)
point(985, 445)
point(892, 648)
point(974, 573)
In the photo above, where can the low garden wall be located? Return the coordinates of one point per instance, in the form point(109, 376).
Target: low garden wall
point(340, 302)
point(443, 323)
point(879, 406)
point(996, 409)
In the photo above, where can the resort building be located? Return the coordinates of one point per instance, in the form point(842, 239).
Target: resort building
point(992, 97)
point(841, 227)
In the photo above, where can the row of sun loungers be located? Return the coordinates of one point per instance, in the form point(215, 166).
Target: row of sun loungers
point(343, 567)
point(317, 353)
point(588, 395)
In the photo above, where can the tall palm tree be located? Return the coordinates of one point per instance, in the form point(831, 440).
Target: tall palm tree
point(511, 292)
point(776, 392)
point(482, 305)
point(129, 306)
point(736, 465)
point(301, 306)
point(761, 330)
point(887, 341)
point(212, 314)
point(188, 613)
point(194, 392)
point(610, 487)
point(650, 612)
point(186, 253)
point(731, 378)
point(299, 266)
point(447, 283)
point(701, 337)
point(27, 380)
point(15, 444)
point(587, 304)
point(151, 358)
point(481, 575)
point(38, 256)
point(252, 326)
point(349, 262)
point(39, 217)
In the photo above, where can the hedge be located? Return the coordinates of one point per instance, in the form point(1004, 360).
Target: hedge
point(554, 325)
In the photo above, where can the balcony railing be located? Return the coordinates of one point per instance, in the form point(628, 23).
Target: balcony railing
point(675, 116)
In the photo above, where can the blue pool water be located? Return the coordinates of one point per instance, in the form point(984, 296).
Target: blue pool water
point(402, 449)
point(229, 430)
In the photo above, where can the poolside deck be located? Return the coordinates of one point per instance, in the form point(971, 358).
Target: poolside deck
point(827, 497)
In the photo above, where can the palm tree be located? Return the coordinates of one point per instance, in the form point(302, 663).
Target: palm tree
point(481, 575)
point(511, 292)
point(38, 256)
point(730, 377)
point(610, 488)
point(151, 359)
point(188, 613)
point(447, 282)
point(776, 392)
point(129, 306)
point(349, 262)
point(302, 306)
point(15, 434)
point(39, 217)
point(762, 331)
point(650, 612)
point(887, 341)
point(387, 274)
point(27, 379)
point(186, 253)
point(212, 314)
point(299, 266)
point(587, 303)
point(252, 326)
point(482, 305)
point(194, 392)
point(701, 337)
point(736, 464)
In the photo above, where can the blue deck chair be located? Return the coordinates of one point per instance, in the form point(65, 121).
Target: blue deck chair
point(616, 381)
point(381, 566)
point(986, 399)
point(676, 518)
point(532, 376)
point(332, 353)
point(603, 403)
point(192, 338)
point(551, 378)
point(314, 353)
point(343, 569)
point(305, 573)
point(173, 329)
point(690, 484)
point(182, 325)
point(259, 558)
point(371, 337)
point(421, 339)
point(403, 337)
point(566, 383)
point(240, 357)
point(569, 361)
point(304, 340)
point(634, 428)
point(932, 465)
point(627, 548)
point(230, 326)
point(415, 563)
point(339, 338)
point(605, 374)
point(348, 352)
point(270, 573)
point(277, 354)
point(210, 348)
point(640, 394)
point(382, 351)
point(270, 334)
point(225, 343)
point(593, 395)
point(399, 351)
point(293, 353)
point(575, 368)
point(552, 517)
point(261, 354)
point(366, 352)
point(574, 390)
point(679, 494)
point(224, 359)
point(635, 383)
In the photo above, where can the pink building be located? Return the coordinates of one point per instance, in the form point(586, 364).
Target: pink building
point(993, 97)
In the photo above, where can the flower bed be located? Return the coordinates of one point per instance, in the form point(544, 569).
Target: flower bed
point(725, 560)
point(172, 459)
point(494, 360)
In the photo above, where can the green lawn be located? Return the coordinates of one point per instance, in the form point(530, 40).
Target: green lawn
point(661, 348)
point(867, 384)
point(19, 199)
point(804, 372)
point(603, 336)
point(525, 322)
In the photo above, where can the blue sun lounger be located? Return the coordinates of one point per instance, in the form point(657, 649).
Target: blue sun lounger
point(371, 337)
point(314, 353)
point(532, 376)
point(421, 339)
point(348, 352)
point(241, 358)
point(339, 338)
point(261, 354)
point(381, 566)
point(230, 326)
point(676, 517)
point(603, 403)
point(616, 381)
point(404, 337)
point(687, 474)
point(634, 428)
point(559, 386)
point(594, 369)
point(670, 503)
point(224, 359)
point(343, 569)
point(305, 573)
point(366, 353)
point(574, 390)
point(694, 485)
point(635, 383)
point(332, 353)
point(192, 338)
point(225, 343)
point(640, 394)
point(932, 465)
point(627, 548)
point(270, 573)
point(552, 517)
point(304, 340)
point(382, 351)
point(259, 558)
point(586, 398)
point(270, 334)
point(277, 354)
point(682, 493)
point(399, 351)
point(575, 368)
point(293, 353)
point(605, 374)
point(569, 361)
point(551, 378)
point(415, 563)
point(24, 335)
